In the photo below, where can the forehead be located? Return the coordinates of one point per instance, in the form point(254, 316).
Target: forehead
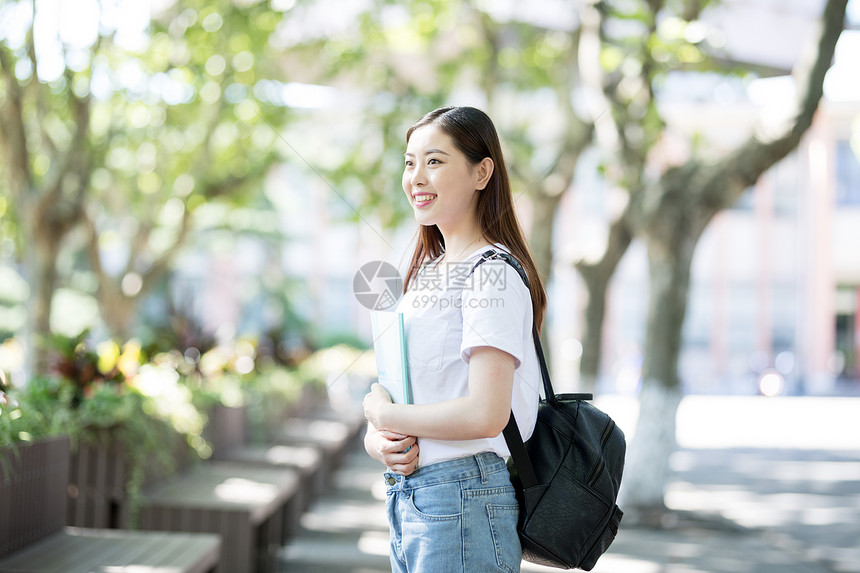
point(429, 137)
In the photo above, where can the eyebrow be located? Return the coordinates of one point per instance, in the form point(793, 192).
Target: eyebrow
point(428, 152)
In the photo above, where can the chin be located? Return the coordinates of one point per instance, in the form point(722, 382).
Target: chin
point(423, 220)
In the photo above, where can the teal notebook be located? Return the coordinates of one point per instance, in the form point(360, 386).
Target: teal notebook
point(389, 345)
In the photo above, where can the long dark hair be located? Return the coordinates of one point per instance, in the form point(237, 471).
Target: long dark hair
point(474, 134)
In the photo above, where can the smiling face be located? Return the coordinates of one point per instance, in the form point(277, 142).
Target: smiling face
point(440, 182)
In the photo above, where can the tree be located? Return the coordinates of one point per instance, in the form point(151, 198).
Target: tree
point(635, 107)
point(425, 55)
point(126, 140)
point(549, 59)
point(508, 60)
point(47, 187)
point(670, 215)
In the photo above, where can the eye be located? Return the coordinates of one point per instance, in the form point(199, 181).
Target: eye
point(433, 161)
point(408, 163)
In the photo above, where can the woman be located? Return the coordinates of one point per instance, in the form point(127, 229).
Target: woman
point(450, 502)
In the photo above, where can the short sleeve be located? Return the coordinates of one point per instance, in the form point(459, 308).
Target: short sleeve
point(497, 310)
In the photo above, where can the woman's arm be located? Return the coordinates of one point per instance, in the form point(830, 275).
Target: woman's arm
point(398, 452)
point(484, 413)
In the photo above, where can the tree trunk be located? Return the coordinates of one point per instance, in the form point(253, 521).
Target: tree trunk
point(654, 440)
point(44, 251)
point(540, 239)
point(50, 221)
point(118, 312)
point(671, 217)
point(543, 227)
point(596, 278)
point(596, 286)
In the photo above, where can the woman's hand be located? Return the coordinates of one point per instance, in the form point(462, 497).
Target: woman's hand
point(482, 413)
point(375, 403)
point(398, 452)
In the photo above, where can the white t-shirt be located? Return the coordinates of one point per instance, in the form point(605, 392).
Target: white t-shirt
point(446, 315)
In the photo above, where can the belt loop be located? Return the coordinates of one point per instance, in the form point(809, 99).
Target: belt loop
point(482, 467)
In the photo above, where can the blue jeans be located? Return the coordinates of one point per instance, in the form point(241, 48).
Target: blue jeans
point(454, 516)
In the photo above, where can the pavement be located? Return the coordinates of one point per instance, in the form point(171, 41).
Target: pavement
point(774, 487)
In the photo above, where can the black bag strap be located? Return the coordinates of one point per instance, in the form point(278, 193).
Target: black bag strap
point(513, 437)
point(549, 393)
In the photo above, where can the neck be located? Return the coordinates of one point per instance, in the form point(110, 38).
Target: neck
point(460, 243)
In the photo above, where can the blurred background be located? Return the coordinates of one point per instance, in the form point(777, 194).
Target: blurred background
point(231, 165)
point(188, 188)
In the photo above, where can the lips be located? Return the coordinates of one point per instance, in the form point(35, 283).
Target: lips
point(423, 199)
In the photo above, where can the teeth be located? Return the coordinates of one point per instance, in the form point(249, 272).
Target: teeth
point(423, 198)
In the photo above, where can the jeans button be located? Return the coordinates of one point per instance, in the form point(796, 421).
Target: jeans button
point(391, 481)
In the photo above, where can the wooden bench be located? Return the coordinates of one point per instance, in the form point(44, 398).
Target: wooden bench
point(228, 433)
point(78, 550)
point(33, 538)
point(247, 505)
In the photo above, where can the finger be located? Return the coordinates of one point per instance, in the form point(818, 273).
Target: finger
point(406, 447)
point(404, 469)
point(395, 451)
point(412, 455)
point(401, 458)
point(380, 392)
point(408, 467)
point(397, 442)
point(403, 445)
point(406, 442)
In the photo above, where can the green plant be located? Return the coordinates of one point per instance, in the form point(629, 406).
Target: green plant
point(235, 375)
point(178, 329)
point(6, 427)
point(74, 360)
point(10, 413)
point(116, 413)
point(100, 394)
point(20, 421)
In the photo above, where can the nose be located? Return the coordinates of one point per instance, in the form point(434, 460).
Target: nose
point(418, 178)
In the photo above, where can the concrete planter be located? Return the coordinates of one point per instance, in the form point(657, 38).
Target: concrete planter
point(99, 471)
point(99, 481)
point(227, 428)
point(97, 486)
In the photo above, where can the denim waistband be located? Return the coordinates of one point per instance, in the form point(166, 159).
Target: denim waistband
point(477, 466)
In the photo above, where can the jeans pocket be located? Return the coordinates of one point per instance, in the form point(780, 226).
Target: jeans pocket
point(440, 502)
point(506, 541)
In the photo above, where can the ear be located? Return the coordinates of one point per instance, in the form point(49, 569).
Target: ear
point(484, 170)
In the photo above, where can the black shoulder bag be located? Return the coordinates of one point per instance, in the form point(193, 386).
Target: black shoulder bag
point(567, 474)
